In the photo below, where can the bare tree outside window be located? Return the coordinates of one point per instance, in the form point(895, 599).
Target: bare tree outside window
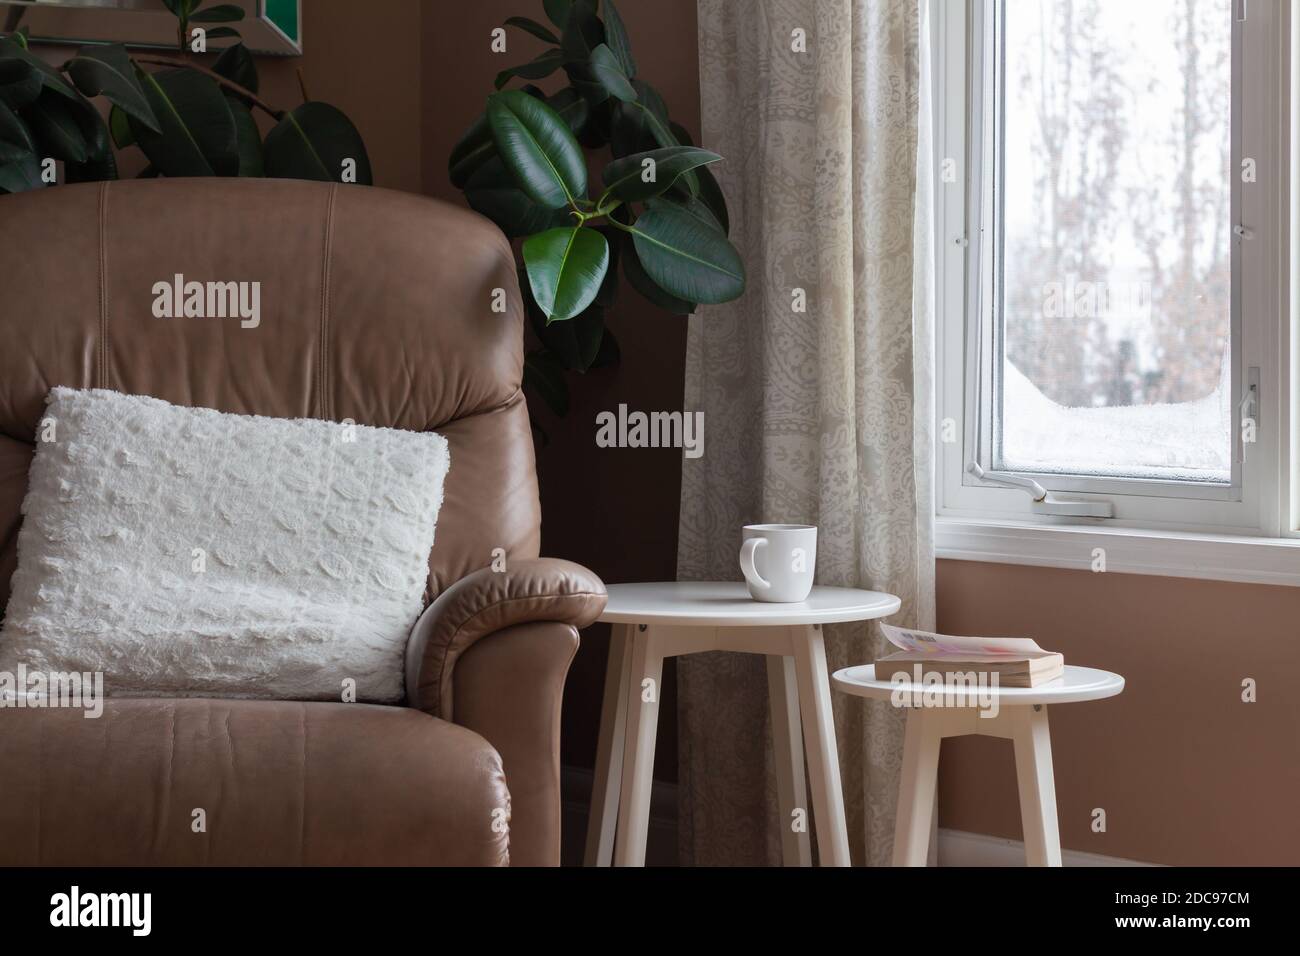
point(1115, 264)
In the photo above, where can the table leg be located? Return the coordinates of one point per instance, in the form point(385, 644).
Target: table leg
point(1033, 745)
point(914, 815)
point(603, 816)
point(787, 748)
point(819, 740)
point(645, 680)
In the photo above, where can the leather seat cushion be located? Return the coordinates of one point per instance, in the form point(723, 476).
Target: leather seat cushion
point(279, 783)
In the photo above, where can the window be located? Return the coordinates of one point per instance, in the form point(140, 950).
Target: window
point(1112, 209)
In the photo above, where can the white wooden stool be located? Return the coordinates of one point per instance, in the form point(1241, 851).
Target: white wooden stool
point(654, 621)
point(1021, 716)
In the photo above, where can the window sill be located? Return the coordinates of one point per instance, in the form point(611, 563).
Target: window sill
point(1127, 550)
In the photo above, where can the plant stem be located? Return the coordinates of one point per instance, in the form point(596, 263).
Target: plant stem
point(221, 80)
point(603, 210)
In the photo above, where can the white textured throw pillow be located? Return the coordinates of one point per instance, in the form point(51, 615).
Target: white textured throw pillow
point(189, 552)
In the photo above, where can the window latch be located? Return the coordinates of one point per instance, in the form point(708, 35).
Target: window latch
point(1044, 502)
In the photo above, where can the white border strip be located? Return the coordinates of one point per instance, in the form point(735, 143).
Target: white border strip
point(1176, 554)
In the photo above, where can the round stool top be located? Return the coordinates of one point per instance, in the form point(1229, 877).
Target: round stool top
point(1078, 683)
point(727, 603)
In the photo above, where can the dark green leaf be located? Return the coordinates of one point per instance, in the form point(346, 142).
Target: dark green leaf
point(545, 375)
point(492, 191)
point(583, 33)
point(11, 152)
point(249, 138)
point(575, 343)
point(595, 131)
point(19, 173)
point(692, 206)
point(544, 64)
point(182, 8)
point(53, 122)
point(686, 258)
point(221, 33)
point(608, 73)
point(654, 121)
point(616, 37)
point(711, 195)
point(628, 132)
point(571, 107)
point(108, 71)
point(639, 280)
point(221, 13)
point(236, 64)
point(630, 129)
point(14, 132)
point(565, 269)
point(312, 142)
point(538, 148)
point(557, 11)
point(651, 99)
point(100, 163)
point(51, 77)
point(120, 126)
point(626, 178)
point(198, 135)
point(533, 27)
point(20, 83)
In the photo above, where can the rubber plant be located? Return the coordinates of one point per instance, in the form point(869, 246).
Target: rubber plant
point(657, 212)
point(187, 119)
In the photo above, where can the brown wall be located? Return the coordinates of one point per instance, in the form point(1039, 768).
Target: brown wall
point(365, 59)
point(614, 510)
point(1186, 772)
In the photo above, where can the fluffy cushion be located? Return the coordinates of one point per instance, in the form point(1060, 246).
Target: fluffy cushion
point(188, 552)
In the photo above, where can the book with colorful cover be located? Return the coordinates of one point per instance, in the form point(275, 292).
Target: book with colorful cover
point(1018, 661)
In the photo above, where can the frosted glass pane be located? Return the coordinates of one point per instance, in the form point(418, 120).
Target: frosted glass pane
point(1116, 231)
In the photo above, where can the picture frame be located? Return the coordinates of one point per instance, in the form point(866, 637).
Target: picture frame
point(272, 27)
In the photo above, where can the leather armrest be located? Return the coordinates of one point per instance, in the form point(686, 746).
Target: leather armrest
point(535, 589)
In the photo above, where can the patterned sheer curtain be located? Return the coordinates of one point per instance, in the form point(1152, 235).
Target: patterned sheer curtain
point(816, 384)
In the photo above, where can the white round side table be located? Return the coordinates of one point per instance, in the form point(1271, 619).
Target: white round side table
point(1020, 714)
point(658, 620)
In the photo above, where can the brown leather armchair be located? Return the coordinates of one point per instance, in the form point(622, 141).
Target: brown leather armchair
point(378, 307)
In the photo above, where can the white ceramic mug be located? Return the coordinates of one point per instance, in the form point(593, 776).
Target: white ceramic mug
point(778, 561)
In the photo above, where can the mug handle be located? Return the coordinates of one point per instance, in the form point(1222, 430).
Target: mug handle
point(747, 566)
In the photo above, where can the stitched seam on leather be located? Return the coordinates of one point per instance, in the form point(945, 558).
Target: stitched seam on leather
point(323, 372)
point(450, 646)
point(101, 359)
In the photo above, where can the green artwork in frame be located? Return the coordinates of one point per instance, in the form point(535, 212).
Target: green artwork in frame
point(284, 15)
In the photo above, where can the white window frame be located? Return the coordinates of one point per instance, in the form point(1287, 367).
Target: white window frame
point(1246, 531)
